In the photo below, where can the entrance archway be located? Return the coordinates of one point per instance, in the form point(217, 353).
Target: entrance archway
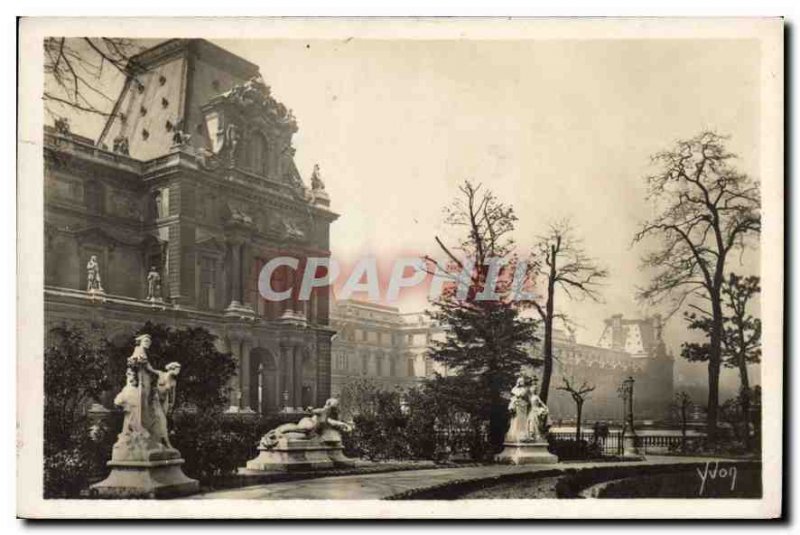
point(264, 395)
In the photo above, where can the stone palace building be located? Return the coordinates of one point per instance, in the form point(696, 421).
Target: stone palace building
point(170, 214)
point(380, 343)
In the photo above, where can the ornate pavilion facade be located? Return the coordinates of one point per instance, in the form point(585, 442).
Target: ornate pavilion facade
point(189, 191)
point(627, 348)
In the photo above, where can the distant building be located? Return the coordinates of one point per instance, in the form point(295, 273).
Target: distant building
point(380, 343)
point(627, 347)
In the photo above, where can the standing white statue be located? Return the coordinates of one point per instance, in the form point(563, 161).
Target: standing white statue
point(147, 399)
point(143, 461)
point(519, 406)
point(537, 415)
point(526, 442)
point(93, 283)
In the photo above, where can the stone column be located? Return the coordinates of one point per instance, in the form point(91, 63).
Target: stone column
point(236, 274)
point(282, 363)
point(298, 377)
point(323, 389)
point(234, 394)
point(289, 386)
point(247, 345)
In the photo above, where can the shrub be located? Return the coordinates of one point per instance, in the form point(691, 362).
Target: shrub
point(435, 421)
point(574, 450)
point(380, 429)
point(448, 416)
point(66, 473)
point(215, 444)
point(74, 375)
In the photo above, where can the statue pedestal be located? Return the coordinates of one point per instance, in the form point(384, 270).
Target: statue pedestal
point(525, 453)
point(145, 479)
point(300, 455)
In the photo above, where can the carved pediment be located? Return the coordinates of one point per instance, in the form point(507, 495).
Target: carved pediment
point(254, 99)
point(251, 131)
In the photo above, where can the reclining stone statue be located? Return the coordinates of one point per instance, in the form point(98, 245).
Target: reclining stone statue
point(314, 442)
point(321, 424)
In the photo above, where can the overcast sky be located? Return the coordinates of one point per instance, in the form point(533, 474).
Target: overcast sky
point(556, 128)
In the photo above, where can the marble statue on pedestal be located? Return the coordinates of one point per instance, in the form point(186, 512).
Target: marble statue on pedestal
point(526, 442)
point(144, 464)
point(315, 442)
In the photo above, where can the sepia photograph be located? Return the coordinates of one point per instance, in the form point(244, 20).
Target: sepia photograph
point(372, 268)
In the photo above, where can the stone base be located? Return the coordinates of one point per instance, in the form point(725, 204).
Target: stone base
point(238, 310)
point(300, 455)
point(145, 479)
point(525, 453)
point(336, 454)
point(629, 449)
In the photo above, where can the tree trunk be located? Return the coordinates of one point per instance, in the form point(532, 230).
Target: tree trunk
point(745, 395)
point(547, 372)
point(579, 406)
point(497, 414)
point(714, 362)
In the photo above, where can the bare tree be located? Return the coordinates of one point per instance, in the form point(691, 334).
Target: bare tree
point(579, 396)
point(681, 408)
point(706, 209)
point(75, 69)
point(562, 263)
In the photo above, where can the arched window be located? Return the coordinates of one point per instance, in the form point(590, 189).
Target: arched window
point(257, 154)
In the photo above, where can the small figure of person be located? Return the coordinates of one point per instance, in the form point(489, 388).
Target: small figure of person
point(93, 283)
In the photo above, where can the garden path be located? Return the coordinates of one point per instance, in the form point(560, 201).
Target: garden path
point(385, 485)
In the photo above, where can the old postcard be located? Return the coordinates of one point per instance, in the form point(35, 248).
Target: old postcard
point(370, 268)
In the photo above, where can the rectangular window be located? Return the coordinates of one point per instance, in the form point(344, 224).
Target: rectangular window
point(208, 276)
point(410, 370)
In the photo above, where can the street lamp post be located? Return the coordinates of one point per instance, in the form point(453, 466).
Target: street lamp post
point(628, 432)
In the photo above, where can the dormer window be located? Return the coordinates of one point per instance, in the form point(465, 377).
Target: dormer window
point(257, 154)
